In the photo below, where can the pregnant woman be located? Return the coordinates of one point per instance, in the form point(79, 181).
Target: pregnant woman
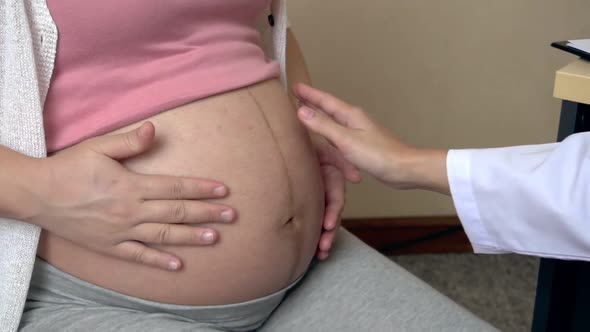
point(144, 97)
point(197, 72)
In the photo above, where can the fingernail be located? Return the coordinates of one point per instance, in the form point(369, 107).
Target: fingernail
point(208, 236)
point(329, 225)
point(306, 112)
point(142, 130)
point(173, 265)
point(220, 191)
point(227, 215)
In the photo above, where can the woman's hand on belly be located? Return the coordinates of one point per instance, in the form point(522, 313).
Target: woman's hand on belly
point(94, 201)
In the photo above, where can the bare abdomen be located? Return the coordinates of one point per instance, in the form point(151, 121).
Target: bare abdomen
point(251, 140)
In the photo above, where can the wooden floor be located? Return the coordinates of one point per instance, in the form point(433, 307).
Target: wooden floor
point(411, 235)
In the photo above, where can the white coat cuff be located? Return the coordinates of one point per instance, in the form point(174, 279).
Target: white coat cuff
point(461, 185)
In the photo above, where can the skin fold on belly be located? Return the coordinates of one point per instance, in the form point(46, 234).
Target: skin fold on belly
point(251, 140)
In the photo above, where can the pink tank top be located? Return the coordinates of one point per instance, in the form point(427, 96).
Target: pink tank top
point(119, 62)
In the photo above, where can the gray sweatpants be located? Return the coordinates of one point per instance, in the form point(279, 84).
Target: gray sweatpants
point(356, 289)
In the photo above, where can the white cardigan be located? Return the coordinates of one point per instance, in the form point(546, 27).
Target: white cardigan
point(28, 40)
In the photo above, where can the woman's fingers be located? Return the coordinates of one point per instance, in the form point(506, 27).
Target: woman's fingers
point(171, 187)
point(139, 253)
point(125, 145)
point(173, 235)
point(184, 212)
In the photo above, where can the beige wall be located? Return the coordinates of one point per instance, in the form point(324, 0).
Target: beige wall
point(461, 73)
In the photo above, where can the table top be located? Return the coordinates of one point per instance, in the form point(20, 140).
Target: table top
point(572, 82)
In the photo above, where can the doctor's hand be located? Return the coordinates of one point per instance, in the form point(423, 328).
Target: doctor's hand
point(335, 171)
point(369, 146)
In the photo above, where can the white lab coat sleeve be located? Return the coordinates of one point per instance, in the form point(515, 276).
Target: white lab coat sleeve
point(532, 200)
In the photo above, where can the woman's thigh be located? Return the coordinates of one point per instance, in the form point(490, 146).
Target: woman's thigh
point(358, 289)
point(104, 319)
point(58, 301)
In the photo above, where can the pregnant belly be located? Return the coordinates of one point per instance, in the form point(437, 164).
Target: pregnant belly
point(251, 140)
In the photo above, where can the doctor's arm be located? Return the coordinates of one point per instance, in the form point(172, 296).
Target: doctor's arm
point(530, 200)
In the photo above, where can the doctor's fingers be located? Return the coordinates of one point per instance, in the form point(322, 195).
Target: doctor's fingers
point(324, 125)
point(345, 114)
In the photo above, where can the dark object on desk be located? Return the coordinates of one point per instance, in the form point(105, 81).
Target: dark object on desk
point(567, 46)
